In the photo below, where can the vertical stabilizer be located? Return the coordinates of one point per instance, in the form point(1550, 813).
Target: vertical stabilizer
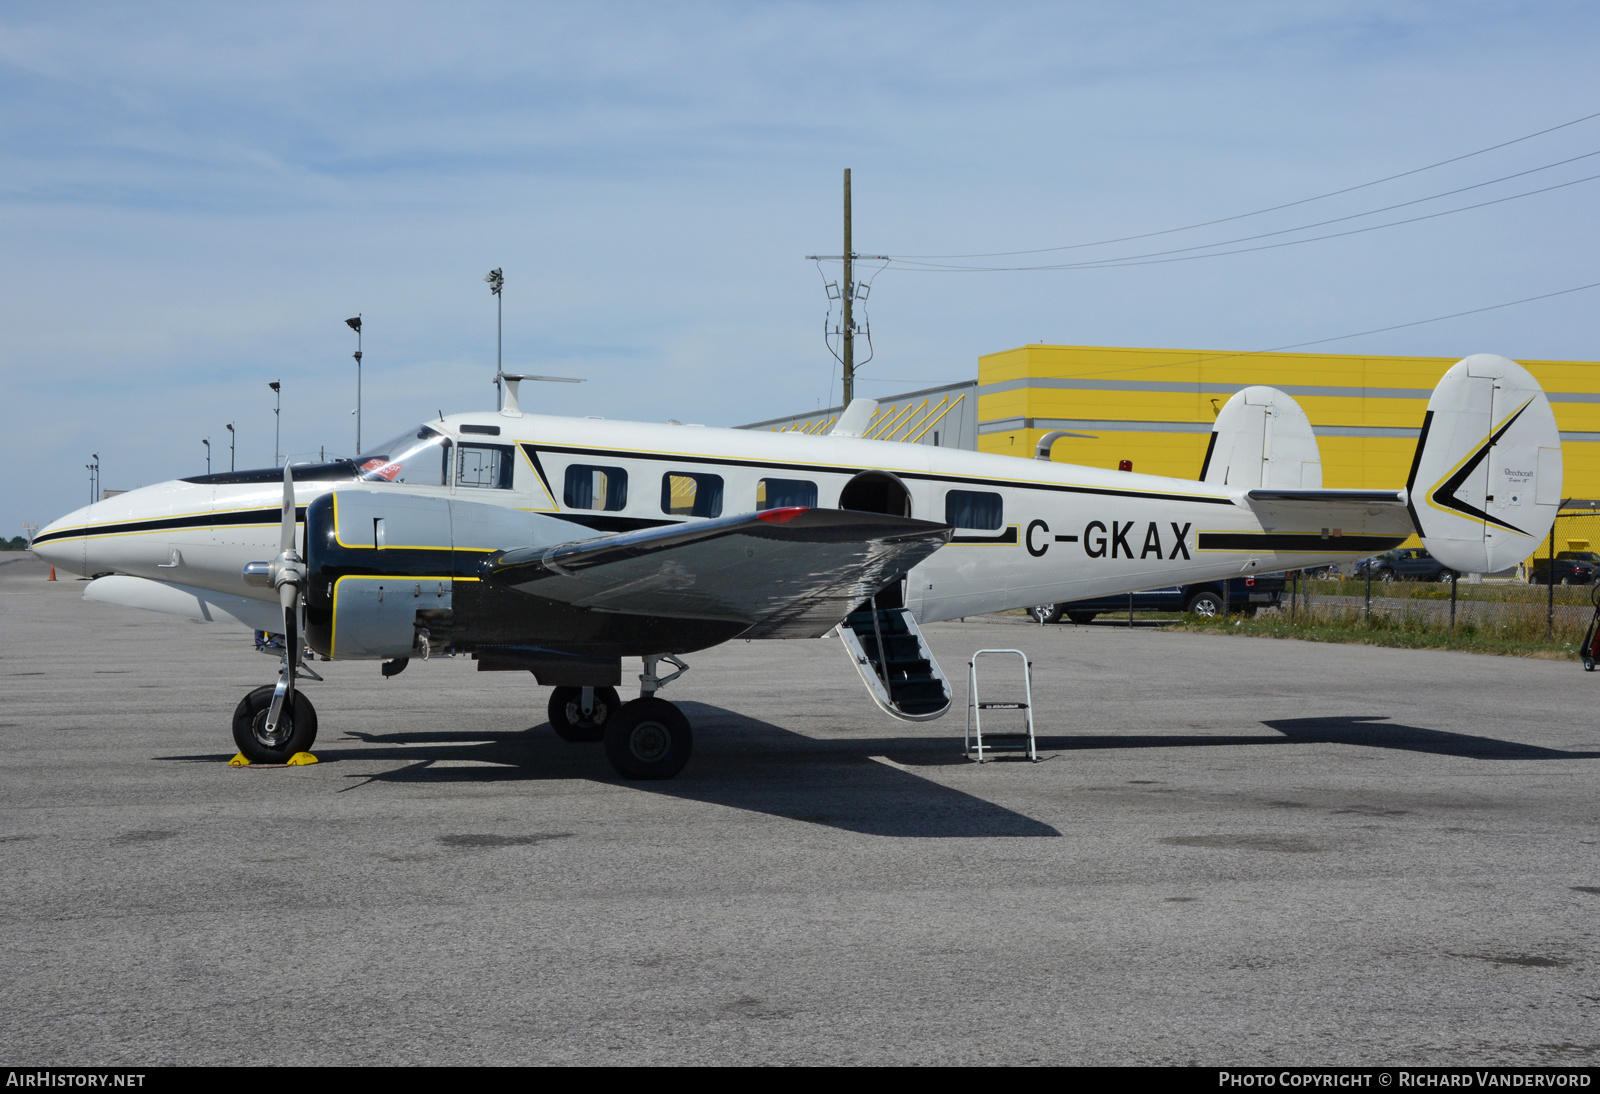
point(1486, 478)
point(1262, 438)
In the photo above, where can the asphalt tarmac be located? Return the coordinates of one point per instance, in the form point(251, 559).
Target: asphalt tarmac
point(1239, 851)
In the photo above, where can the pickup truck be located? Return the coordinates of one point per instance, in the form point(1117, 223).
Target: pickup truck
point(1571, 568)
point(1244, 594)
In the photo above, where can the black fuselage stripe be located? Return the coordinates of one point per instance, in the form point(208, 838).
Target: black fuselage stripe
point(821, 469)
point(201, 520)
point(1294, 541)
point(1009, 536)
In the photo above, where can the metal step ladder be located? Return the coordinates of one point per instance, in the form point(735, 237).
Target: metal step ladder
point(895, 663)
point(998, 742)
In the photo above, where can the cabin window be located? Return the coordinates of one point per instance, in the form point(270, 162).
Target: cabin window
point(977, 509)
point(783, 493)
point(590, 487)
point(690, 495)
point(484, 465)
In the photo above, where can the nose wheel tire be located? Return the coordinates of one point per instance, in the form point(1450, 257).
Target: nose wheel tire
point(296, 731)
point(648, 739)
point(568, 719)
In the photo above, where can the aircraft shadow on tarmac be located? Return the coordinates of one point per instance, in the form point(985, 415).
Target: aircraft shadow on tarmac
point(1372, 731)
point(739, 762)
point(856, 783)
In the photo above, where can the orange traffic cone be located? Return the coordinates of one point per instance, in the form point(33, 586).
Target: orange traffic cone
point(52, 573)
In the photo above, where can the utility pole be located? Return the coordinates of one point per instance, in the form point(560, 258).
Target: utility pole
point(277, 419)
point(846, 294)
point(355, 325)
point(497, 280)
point(847, 297)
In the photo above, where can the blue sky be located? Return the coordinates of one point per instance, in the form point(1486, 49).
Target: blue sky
point(194, 197)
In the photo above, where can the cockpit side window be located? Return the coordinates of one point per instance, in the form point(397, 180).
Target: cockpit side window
point(418, 457)
point(484, 465)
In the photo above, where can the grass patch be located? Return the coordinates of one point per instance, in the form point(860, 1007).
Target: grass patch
point(1510, 592)
point(1514, 631)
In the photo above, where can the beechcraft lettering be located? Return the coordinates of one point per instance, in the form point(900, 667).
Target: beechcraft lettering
point(562, 546)
point(1095, 541)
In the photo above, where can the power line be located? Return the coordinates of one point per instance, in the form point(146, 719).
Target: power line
point(1437, 318)
point(1272, 208)
point(1208, 358)
point(1341, 220)
point(1153, 258)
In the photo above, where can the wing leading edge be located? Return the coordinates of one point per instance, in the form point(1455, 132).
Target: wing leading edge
point(788, 573)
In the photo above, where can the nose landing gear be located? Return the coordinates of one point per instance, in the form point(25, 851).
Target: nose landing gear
point(295, 731)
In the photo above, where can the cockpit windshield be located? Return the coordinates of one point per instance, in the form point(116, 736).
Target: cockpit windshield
point(420, 457)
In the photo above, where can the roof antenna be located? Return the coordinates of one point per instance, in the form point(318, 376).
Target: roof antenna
point(441, 415)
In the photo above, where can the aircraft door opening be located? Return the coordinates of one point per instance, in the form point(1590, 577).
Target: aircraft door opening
point(879, 492)
point(876, 492)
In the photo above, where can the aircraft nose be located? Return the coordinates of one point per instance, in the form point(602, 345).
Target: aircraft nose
point(56, 544)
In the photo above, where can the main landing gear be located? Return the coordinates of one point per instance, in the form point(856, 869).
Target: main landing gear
point(648, 738)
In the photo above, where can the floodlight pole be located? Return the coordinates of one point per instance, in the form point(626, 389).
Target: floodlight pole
point(277, 420)
point(355, 325)
point(232, 437)
point(207, 442)
point(496, 279)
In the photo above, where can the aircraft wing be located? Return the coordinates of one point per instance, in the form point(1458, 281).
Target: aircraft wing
point(789, 573)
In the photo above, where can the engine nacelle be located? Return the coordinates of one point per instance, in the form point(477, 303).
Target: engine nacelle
point(384, 566)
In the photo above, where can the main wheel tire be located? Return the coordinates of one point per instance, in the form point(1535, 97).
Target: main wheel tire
point(1081, 618)
point(567, 718)
point(1588, 663)
point(1046, 613)
point(1207, 605)
point(297, 727)
point(648, 739)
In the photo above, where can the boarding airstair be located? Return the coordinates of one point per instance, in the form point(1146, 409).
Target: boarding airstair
point(895, 662)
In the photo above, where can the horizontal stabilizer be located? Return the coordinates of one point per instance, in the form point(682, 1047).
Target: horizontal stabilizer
point(789, 573)
point(1395, 498)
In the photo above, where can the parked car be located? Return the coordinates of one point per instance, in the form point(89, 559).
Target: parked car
point(1405, 564)
point(1570, 568)
point(1244, 594)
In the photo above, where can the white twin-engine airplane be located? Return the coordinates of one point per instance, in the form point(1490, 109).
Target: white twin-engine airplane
point(562, 545)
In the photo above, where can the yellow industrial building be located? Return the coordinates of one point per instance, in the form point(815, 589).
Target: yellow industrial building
point(1155, 407)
